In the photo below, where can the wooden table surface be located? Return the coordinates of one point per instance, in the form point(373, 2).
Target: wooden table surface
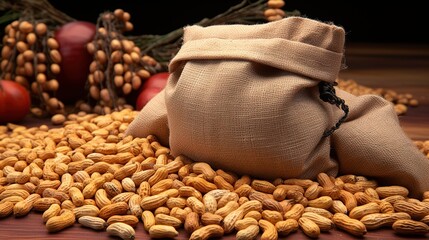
point(402, 68)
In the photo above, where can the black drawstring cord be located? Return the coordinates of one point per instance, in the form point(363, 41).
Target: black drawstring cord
point(327, 94)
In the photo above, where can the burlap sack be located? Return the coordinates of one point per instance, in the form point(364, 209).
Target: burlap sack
point(372, 143)
point(247, 99)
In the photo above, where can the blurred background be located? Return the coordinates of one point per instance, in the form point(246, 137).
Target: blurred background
point(364, 21)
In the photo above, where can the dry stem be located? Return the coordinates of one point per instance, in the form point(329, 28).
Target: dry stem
point(161, 47)
point(164, 47)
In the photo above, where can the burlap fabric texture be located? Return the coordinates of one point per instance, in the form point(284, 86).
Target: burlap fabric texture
point(245, 98)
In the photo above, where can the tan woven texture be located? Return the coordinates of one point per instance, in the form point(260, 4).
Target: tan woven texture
point(245, 98)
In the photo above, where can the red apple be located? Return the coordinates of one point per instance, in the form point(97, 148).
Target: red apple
point(152, 86)
point(72, 38)
point(15, 101)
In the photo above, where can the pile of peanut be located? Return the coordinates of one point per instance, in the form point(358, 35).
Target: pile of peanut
point(89, 172)
point(401, 101)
